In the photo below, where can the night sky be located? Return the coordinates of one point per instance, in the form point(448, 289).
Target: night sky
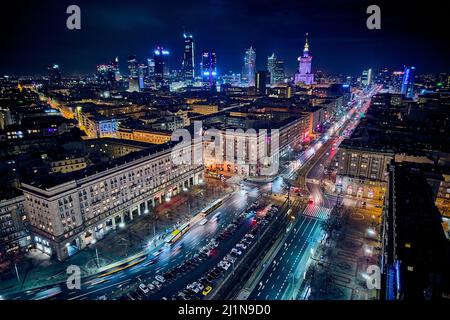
point(34, 33)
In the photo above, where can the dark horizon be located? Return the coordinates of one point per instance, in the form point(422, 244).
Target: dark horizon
point(35, 34)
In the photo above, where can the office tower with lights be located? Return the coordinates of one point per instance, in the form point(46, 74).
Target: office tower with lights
point(115, 69)
point(133, 66)
point(162, 70)
point(275, 67)
point(133, 74)
point(54, 74)
point(408, 81)
point(142, 71)
point(209, 68)
point(249, 70)
point(260, 82)
point(105, 74)
point(188, 65)
point(396, 82)
point(304, 74)
point(366, 78)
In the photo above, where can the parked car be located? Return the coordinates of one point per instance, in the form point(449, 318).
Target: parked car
point(234, 250)
point(207, 290)
point(144, 288)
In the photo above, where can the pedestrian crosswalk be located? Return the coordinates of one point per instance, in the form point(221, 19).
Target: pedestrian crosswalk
point(317, 212)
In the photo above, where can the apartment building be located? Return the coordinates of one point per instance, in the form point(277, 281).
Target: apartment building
point(67, 212)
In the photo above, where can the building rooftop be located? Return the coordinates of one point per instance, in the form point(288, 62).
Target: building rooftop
point(55, 179)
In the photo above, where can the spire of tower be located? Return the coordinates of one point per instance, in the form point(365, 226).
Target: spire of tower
point(306, 48)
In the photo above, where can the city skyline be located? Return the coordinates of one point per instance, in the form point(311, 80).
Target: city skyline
point(338, 35)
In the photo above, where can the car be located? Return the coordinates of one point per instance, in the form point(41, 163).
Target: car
point(234, 250)
point(242, 246)
point(249, 235)
point(224, 266)
point(207, 290)
point(157, 284)
point(160, 278)
point(195, 289)
point(203, 280)
point(230, 258)
point(151, 286)
point(144, 288)
point(213, 275)
point(215, 272)
point(200, 286)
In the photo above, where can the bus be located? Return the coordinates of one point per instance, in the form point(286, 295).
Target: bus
point(177, 234)
point(213, 206)
point(123, 265)
point(47, 294)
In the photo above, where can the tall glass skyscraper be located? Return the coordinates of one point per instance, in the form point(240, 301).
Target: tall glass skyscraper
point(188, 65)
point(275, 67)
point(54, 74)
point(133, 66)
point(408, 81)
point(249, 70)
point(162, 70)
point(133, 71)
point(209, 68)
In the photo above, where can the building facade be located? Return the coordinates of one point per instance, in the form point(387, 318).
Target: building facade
point(69, 215)
point(13, 235)
point(362, 172)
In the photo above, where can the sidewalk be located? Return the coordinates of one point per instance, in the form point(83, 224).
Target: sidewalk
point(37, 269)
point(341, 263)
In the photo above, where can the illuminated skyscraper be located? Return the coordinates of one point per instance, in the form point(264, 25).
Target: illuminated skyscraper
point(209, 68)
point(54, 74)
point(108, 74)
point(116, 70)
point(396, 82)
point(133, 72)
point(304, 74)
point(162, 70)
point(248, 72)
point(142, 74)
point(408, 81)
point(275, 67)
point(366, 78)
point(133, 66)
point(260, 82)
point(188, 64)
